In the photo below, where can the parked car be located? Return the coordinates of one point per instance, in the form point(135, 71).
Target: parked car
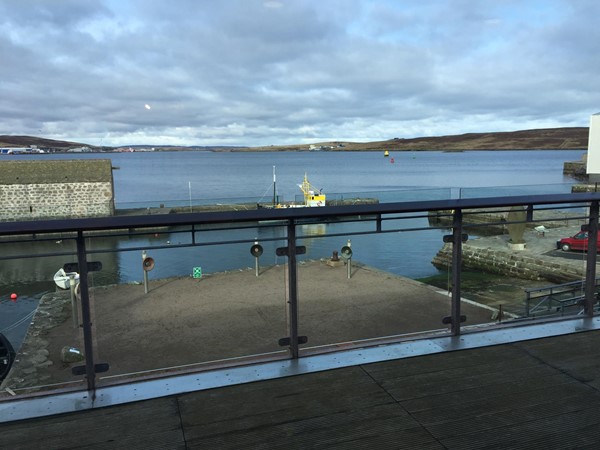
point(576, 242)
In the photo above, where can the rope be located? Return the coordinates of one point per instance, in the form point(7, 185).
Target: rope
point(19, 322)
point(267, 191)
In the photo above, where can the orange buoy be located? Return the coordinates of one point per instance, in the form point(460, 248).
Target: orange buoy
point(13, 297)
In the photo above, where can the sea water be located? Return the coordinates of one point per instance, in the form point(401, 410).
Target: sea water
point(144, 179)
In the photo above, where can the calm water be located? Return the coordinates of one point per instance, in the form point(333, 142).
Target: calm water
point(173, 176)
point(176, 177)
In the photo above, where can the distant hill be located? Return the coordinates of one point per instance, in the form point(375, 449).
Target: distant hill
point(28, 141)
point(573, 138)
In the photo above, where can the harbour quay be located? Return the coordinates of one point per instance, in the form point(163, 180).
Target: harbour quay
point(538, 260)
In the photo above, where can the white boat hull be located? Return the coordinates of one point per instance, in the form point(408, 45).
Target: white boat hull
point(63, 279)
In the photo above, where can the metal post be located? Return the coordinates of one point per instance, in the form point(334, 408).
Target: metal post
point(590, 271)
point(292, 290)
point(349, 262)
point(456, 268)
point(74, 313)
point(86, 315)
point(144, 255)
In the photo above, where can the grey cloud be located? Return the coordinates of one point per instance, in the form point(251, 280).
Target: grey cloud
point(251, 72)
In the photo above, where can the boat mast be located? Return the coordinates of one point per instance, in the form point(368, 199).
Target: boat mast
point(305, 188)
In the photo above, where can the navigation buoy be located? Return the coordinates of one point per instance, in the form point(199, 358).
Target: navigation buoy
point(13, 297)
point(392, 160)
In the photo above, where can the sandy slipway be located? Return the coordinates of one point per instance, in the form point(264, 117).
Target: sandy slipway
point(186, 321)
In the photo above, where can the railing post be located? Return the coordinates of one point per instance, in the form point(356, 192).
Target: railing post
point(292, 290)
point(85, 314)
point(590, 271)
point(456, 269)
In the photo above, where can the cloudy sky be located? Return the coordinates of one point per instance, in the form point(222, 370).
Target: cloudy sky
point(262, 72)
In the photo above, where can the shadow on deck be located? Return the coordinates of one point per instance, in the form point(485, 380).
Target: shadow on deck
point(540, 393)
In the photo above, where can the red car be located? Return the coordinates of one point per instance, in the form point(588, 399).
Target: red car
point(577, 242)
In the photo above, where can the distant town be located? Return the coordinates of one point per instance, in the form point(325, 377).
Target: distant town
point(85, 149)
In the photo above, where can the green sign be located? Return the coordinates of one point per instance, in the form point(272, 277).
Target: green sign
point(197, 272)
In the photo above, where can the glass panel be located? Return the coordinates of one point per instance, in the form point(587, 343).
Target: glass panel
point(202, 303)
point(37, 317)
point(515, 268)
point(373, 294)
point(400, 195)
point(505, 191)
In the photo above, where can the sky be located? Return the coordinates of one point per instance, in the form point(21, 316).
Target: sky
point(276, 72)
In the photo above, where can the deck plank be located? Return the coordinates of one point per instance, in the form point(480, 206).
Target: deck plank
point(152, 424)
point(341, 408)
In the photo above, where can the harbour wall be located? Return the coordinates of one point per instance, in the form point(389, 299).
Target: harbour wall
point(40, 189)
point(517, 264)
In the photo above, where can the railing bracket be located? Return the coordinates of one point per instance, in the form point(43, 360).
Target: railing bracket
point(286, 341)
point(448, 238)
point(448, 319)
point(92, 266)
point(98, 368)
point(283, 251)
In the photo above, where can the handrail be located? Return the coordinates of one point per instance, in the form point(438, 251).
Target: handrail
point(156, 220)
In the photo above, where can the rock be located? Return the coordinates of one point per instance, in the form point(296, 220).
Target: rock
point(71, 355)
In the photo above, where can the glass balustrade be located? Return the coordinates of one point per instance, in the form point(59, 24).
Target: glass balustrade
point(192, 292)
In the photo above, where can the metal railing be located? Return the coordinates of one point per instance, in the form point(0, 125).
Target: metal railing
point(557, 298)
point(374, 219)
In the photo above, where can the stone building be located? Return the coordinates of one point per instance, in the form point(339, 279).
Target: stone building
point(48, 189)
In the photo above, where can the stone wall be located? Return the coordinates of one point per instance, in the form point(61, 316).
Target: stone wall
point(39, 189)
point(513, 264)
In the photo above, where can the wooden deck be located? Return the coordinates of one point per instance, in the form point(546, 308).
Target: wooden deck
point(543, 393)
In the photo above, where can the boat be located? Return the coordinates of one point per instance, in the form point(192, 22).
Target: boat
point(311, 197)
point(63, 279)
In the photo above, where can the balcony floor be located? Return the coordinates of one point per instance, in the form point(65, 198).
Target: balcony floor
point(542, 393)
